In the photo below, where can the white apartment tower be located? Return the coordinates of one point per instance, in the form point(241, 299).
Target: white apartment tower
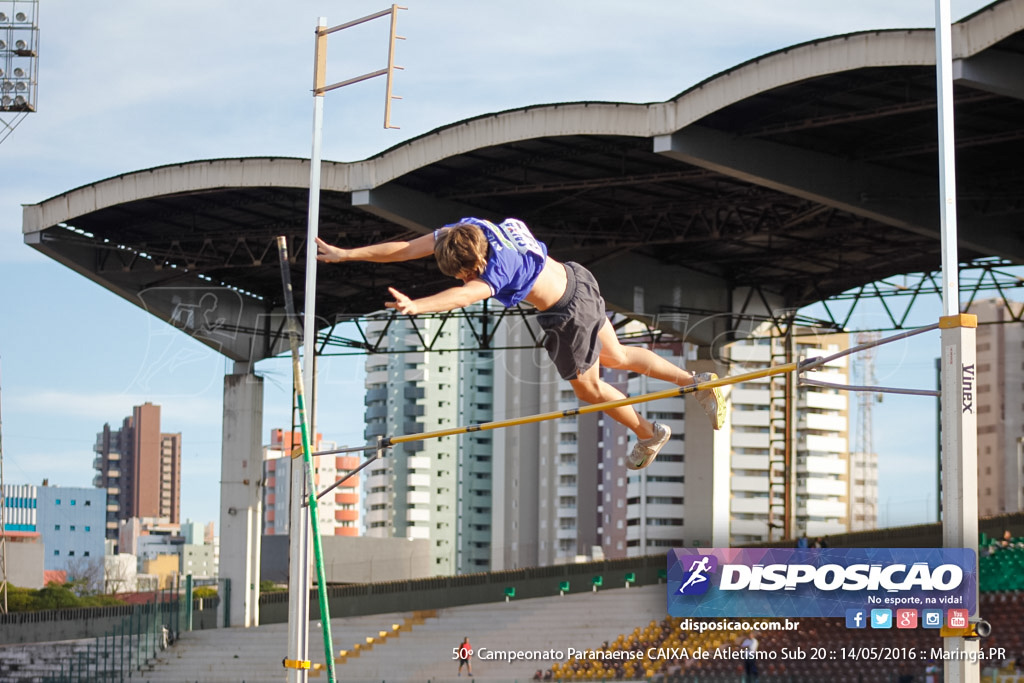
point(654, 495)
point(863, 491)
point(474, 475)
point(546, 475)
point(436, 489)
point(822, 436)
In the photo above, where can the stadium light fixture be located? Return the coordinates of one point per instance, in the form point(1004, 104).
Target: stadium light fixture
point(19, 57)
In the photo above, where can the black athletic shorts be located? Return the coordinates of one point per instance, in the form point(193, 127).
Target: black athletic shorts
point(572, 324)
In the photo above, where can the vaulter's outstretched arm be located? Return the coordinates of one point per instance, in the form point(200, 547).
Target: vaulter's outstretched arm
point(385, 252)
point(390, 252)
point(448, 300)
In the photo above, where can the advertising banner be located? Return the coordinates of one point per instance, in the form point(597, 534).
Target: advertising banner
point(819, 582)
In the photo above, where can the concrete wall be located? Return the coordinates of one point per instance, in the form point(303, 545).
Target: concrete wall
point(468, 589)
point(353, 560)
point(25, 562)
point(91, 622)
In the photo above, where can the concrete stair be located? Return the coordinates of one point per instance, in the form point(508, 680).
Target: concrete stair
point(421, 650)
point(36, 662)
point(581, 621)
point(255, 655)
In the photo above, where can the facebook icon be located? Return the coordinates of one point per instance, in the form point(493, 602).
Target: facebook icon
point(856, 618)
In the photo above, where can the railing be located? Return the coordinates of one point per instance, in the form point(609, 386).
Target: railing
point(130, 645)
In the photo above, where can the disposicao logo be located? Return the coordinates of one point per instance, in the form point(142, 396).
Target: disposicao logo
point(696, 581)
point(733, 582)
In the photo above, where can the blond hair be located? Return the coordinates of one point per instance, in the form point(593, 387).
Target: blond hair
point(462, 249)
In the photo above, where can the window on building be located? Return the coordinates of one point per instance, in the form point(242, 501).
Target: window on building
point(88, 503)
point(56, 552)
point(72, 527)
point(56, 527)
point(73, 501)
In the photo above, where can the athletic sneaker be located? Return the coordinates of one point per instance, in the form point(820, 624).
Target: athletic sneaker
point(711, 400)
point(646, 450)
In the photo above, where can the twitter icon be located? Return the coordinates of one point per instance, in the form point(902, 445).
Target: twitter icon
point(881, 618)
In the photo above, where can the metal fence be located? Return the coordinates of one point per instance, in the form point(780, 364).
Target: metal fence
point(131, 645)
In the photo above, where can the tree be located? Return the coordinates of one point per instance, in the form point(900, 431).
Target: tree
point(86, 574)
point(54, 596)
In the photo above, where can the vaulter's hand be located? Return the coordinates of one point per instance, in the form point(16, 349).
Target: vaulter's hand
point(327, 253)
point(402, 303)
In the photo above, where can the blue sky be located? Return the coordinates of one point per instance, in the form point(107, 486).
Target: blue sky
point(165, 82)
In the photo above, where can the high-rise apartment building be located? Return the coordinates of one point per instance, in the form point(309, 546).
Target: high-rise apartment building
point(413, 491)
point(822, 439)
point(474, 471)
point(547, 475)
point(563, 491)
point(521, 387)
point(140, 468)
point(1000, 405)
point(338, 511)
point(559, 491)
point(654, 495)
point(863, 491)
point(614, 529)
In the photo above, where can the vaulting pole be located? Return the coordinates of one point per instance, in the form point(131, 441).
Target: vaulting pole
point(293, 337)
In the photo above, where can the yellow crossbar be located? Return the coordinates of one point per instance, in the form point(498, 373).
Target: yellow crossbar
point(596, 407)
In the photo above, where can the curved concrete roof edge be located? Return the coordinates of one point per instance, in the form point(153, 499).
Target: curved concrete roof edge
point(878, 48)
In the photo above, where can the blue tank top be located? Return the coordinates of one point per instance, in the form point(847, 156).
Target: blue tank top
point(514, 260)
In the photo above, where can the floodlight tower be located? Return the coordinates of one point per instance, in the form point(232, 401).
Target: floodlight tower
point(864, 368)
point(3, 529)
point(19, 62)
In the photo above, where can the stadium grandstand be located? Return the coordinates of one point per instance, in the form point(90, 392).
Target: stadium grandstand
point(585, 634)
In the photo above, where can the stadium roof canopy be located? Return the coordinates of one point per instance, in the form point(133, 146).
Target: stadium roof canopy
point(805, 172)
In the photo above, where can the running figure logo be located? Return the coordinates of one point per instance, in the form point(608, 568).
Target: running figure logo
point(698, 567)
